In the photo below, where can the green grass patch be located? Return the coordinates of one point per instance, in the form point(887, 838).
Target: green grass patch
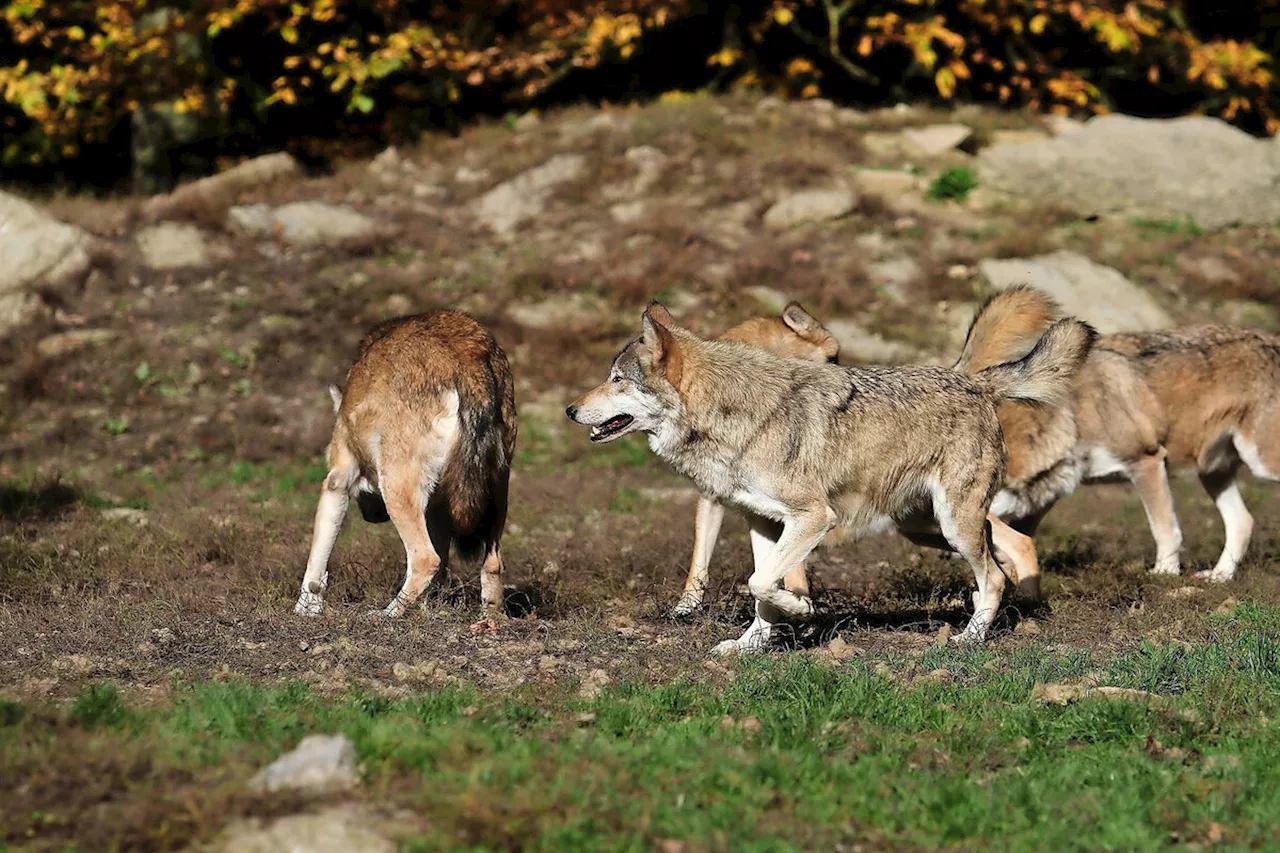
point(1182, 226)
point(953, 184)
point(794, 754)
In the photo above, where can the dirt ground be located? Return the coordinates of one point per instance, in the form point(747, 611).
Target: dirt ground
point(158, 487)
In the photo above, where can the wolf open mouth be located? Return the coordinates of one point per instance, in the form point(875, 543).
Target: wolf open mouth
point(611, 428)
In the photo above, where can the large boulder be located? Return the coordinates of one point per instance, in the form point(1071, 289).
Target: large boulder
point(514, 202)
point(1196, 167)
point(37, 250)
point(1098, 294)
point(809, 206)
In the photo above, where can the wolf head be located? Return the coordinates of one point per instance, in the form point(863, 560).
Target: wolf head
point(641, 393)
point(795, 334)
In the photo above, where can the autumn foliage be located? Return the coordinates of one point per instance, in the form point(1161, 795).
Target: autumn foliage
point(321, 72)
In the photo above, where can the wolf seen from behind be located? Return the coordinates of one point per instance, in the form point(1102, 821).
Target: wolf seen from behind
point(807, 445)
point(424, 438)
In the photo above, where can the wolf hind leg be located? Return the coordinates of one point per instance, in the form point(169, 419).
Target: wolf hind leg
point(331, 512)
point(964, 524)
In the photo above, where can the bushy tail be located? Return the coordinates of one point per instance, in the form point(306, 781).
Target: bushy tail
point(1045, 374)
point(1006, 327)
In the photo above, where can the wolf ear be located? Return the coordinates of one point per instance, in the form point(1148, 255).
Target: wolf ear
point(799, 320)
point(657, 336)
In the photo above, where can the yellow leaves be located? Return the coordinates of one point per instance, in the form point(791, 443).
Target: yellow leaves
point(75, 33)
point(810, 91)
point(724, 57)
point(945, 81)
point(1038, 23)
point(289, 33)
point(782, 15)
point(799, 66)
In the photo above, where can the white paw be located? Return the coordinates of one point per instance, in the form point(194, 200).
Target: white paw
point(804, 608)
point(1166, 566)
point(970, 636)
point(686, 606)
point(309, 604)
point(726, 649)
point(1216, 575)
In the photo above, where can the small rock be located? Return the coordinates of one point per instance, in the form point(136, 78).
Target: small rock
point(936, 676)
point(1210, 269)
point(336, 829)
point(311, 223)
point(1184, 592)
point(626, 213)
point(885, 182)
point(959, 272)
point(935, 139)
point(395, 305)
point(895, 275)
point(65, 343)
point(527, 122)
point(566, 311)
point(468, 175)
point(172, 246)
point(944, 635)
point(1227, 607)
point(1027, 627)
point(426, 670)
point(838, 650)
point(809, 206)
point(524, 197)
point(254, 220)
point(1063, 694)
point(279, 323)
point(388, 162)
point(585, 718)
point(770, 300)
point(595, 681)
point(162, 636)
point(320, 763)
point(136, 517)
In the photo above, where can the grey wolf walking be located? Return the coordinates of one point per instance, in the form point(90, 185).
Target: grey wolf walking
point(794, 333)
point(804, 446)
point(424, 438)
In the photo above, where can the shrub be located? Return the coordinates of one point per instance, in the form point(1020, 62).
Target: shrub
point(323, 74)
point(955, 183)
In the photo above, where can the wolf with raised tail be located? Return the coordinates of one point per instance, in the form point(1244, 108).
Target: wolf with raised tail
point(804, 446)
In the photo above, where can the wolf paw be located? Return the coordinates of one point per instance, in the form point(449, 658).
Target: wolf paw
point(1166, 566)
point(1215, 575)
point(309, 604)
point(686, 606)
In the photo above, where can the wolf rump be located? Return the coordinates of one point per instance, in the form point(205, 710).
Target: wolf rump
point(803, 446)
point(1206, 397)
point(424, 438)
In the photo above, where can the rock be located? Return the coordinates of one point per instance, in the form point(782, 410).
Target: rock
point(1093, 292)
point(770, 300)
point(1196, 167)
point(388, 162)
point(883, 145)
point(520, 199)
point(595, 681)
point(808, 206)
point(576, 131)
point(173, 246)
point(627, 212)
point(885, 182)
point(336, 829)
point(867, 347)
point(527, 122)
point(1063, 694)
point(65, 343)
point(895, 276)
point(934, 140)
point(37, 251)
point(320, 763)
point(1062, 125)
point(649, 163)
point(250, 174)
point(136, 517)
point(566, 311)
point(1007, 137)
point(1210, 269)
point(303, 223)
point(426, 670)
point(838, 650)
point(467, 175)
point(1184, 592)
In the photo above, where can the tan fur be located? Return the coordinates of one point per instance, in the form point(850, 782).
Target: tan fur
point(1206, 397)
point(805, 446)
point(795, 334)
point(424, 438)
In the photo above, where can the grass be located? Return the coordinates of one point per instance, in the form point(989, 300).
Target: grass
point(792, 754)
point(954, 184)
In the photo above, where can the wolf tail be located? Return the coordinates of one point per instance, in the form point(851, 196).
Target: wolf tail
point(1045, 374)
point(1006, 327)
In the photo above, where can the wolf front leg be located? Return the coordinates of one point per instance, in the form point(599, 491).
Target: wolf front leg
point(800, 534)
point(705, 532)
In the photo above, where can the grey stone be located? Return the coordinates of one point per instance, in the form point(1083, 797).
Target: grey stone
point(1193, 166)
point(303, 223)
point(172, 246)
point(336, 829)
point(934, 140)
point(867, 347)
point(627, 212)
point(319, 763)
point(251, 174)
point(885, 182)
point(895, 275)
point(769, 299)
point(36, 250)
point(524, 197)
point(809, 206)
point(65, 343)
point(1096, 293)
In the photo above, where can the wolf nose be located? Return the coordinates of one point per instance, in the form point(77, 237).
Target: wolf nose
point(572, 413)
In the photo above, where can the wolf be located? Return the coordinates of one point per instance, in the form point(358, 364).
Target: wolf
point(424, 438)
point(794, 333)
point(1205, 397)
point(804, 446)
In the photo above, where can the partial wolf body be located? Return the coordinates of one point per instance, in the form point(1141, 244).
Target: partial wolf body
point(805, 446)
point(424, 438)
point(795, 334)
point(1206, 397)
